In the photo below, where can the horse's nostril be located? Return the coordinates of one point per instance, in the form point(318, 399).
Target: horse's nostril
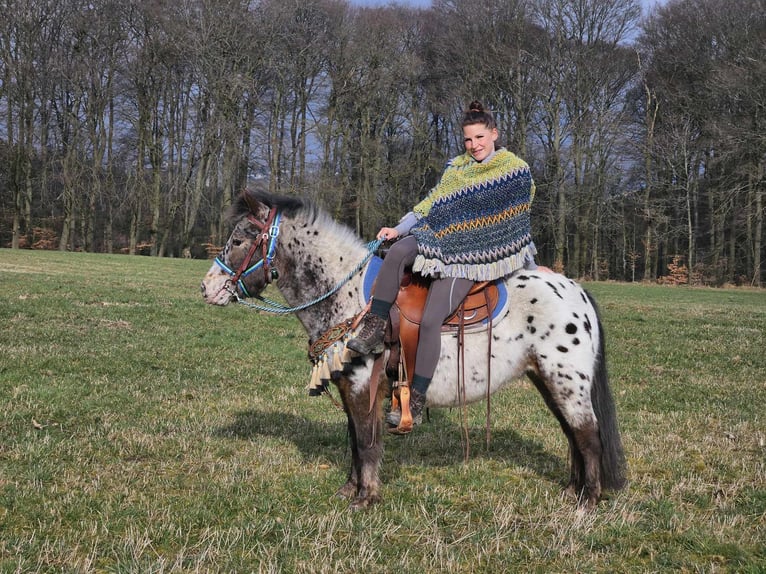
point(202, 288)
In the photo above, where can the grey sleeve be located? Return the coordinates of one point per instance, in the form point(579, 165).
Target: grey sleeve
point(406, 223)
point(529, 258)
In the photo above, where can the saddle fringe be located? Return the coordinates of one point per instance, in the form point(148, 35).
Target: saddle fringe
point(329, 366)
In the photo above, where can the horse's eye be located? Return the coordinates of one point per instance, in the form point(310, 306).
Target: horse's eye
point(236, 242)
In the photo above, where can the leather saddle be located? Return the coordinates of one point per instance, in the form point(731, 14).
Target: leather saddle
point(404, 328)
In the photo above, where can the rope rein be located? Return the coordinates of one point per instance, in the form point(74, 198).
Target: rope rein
point(272, 306)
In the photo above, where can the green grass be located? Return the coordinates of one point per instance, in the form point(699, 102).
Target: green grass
point(144, 431)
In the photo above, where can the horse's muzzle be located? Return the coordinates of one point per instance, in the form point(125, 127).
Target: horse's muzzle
point(216, 289)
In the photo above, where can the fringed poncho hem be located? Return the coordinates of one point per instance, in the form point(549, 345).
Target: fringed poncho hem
point(473, 271)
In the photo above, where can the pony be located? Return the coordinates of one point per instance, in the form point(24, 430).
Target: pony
point(551, 332)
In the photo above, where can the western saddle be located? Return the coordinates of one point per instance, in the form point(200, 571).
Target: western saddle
point(404, 327)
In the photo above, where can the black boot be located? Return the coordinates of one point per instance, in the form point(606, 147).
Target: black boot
point(417, 403)
point(369, 339)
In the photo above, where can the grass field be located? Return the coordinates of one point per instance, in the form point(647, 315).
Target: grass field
point(143, 431)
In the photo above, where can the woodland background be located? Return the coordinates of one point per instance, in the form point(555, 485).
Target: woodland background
point(129, 125)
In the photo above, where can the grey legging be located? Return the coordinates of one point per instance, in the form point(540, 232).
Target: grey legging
point(444, 296)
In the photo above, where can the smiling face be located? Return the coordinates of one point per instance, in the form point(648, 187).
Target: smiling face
point(479, 140)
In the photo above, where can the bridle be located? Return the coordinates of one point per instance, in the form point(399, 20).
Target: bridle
point(266, 243)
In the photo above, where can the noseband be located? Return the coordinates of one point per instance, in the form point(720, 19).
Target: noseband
point(266, 242)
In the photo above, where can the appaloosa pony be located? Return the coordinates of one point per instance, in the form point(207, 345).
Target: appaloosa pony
point(550, 331)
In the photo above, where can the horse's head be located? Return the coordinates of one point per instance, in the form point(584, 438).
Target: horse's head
point(245, 266)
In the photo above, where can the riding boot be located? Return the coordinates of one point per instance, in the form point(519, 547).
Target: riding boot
point(369, 339)
point(417, 402)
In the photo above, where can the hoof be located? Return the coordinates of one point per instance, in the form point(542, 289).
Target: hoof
point(570, 492)
point(584, 502)
point(347, 491)
point(587, 504)
point(363, 503)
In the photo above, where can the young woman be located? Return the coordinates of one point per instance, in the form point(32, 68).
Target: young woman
point(473, 226)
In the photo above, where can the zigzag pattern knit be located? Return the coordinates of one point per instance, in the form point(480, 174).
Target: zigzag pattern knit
point(475, 223)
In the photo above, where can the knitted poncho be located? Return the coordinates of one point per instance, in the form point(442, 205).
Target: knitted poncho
point(475, 223)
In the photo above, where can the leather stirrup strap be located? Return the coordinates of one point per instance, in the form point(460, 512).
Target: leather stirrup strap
point(377, 369)
point(461, 383)
point(461, 379)
point(489, 366)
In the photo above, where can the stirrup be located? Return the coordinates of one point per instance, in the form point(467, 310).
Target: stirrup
point(406, 422)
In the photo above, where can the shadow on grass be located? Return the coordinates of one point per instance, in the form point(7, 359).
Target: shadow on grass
point(437, 443)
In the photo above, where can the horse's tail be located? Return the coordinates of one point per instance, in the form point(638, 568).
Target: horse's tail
point(613, 463)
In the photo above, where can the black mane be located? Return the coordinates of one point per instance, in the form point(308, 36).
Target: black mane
point(289, 205)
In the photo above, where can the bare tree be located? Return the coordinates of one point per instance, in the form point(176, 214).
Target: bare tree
point(708, 80)
point(131, 125)
point(370, 71)
point(29, 37)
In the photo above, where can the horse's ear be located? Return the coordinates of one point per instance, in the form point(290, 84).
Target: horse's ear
point(252, 203)
point(256, 205)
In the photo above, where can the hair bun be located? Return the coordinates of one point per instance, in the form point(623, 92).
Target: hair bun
point(475, 106)
point(476, 114)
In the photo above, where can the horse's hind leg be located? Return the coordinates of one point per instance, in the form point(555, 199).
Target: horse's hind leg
point(584, 446)
point(365, 431)
point(585, 482)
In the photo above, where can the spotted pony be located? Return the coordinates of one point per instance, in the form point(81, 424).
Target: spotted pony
point(551, 332)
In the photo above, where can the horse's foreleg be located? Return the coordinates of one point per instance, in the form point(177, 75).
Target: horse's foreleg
point(349, 489)
point(365, 429)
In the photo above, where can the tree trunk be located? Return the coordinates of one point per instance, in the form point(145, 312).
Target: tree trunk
point(650, 120)
point(758, 232)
